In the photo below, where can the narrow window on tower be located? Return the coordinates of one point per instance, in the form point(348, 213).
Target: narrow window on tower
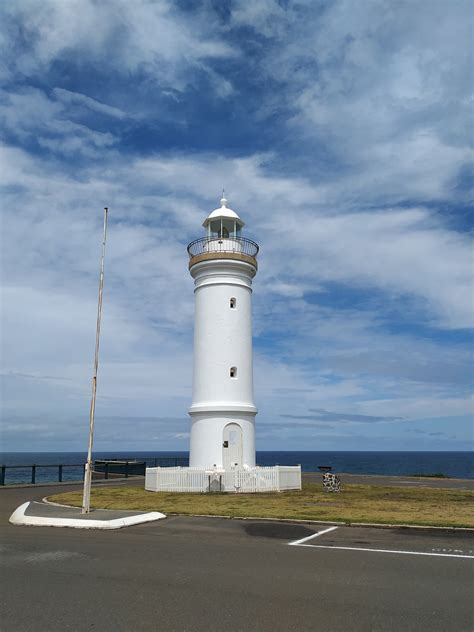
point(233, 303)
point(233, 371)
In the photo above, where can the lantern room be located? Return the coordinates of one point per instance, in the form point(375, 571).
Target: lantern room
point(223, 223)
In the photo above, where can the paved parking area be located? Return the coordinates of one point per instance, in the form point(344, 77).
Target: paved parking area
point(193, 574)
point(425, 542)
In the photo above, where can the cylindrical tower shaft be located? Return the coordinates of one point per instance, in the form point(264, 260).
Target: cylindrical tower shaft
point(223, 408)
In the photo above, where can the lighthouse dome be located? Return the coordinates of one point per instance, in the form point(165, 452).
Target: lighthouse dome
point(224, 212)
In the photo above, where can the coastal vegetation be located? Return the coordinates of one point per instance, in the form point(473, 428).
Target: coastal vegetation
point(356, 503)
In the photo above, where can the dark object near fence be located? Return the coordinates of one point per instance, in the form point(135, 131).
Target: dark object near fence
point(331, 482)
point(215, 483)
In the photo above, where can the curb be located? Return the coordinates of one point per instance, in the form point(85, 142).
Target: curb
point(18, 517)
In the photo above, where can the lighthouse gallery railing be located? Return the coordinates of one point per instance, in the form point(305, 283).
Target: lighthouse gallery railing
point(205, 245)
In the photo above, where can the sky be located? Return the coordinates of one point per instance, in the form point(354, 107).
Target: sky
point(342, 134)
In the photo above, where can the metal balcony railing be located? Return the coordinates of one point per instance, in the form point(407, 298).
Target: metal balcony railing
point(206, 245)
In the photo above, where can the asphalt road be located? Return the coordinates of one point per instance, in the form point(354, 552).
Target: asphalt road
point(193, 574)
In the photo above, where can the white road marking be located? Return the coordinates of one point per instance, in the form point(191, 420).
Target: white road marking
point(355, 548)
point(437, 550)
point(310, 537)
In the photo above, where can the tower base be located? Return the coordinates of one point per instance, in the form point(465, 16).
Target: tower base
point(222, 440)
point(243, 480)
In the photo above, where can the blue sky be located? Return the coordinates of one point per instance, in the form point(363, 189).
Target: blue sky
point(342, 133)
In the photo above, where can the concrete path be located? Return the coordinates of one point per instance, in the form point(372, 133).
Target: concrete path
point(196, 574)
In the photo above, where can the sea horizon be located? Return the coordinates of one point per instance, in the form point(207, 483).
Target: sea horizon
point(187, 451)
point(452, 464)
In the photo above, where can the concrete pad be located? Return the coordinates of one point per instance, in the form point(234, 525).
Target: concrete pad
point(47, 515)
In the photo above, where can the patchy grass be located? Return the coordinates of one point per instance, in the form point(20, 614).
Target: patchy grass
point(356, 503)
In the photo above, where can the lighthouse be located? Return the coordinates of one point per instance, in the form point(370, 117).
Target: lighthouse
point(222, 438)
point(223, 264)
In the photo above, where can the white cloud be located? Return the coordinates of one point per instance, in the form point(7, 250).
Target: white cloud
point(329, 357)
point(30, 116)
point(384, 91)
point(68, 97)
point(374, 129)
point(128, 37)
point(400, 252)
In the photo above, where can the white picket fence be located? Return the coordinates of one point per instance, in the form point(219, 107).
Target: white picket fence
point(257, 479)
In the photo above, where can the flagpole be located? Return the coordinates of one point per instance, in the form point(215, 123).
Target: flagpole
point(86, 500)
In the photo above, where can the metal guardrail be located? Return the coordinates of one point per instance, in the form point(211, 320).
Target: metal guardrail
point(126, 467)
point(34, 467)
point(206, 245)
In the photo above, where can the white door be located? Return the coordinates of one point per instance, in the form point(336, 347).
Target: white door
point(232, 447)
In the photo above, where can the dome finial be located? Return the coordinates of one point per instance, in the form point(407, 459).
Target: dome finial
point(223, 198)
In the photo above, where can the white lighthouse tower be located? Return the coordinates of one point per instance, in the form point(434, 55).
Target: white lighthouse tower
point(223, 264)
point(222, 444)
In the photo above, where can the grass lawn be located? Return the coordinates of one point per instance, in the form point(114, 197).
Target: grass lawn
point(356, 503)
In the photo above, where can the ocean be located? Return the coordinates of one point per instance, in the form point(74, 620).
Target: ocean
point(452, 464)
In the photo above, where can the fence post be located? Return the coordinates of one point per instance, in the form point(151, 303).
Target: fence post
point(126, 469)
point(2, 475)
point(33, 474)
point(106, 470)
point(60, 473)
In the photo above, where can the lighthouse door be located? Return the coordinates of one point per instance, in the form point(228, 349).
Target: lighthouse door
point(232, 447)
